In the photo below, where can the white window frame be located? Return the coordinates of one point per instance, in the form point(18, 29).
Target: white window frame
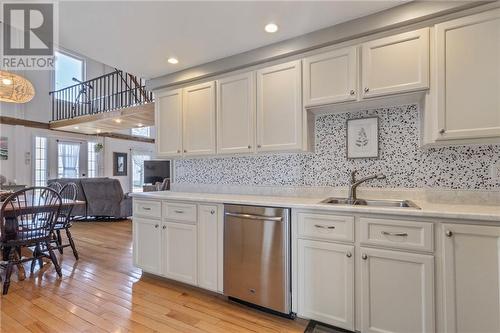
point(72, 55)
point(34, 154)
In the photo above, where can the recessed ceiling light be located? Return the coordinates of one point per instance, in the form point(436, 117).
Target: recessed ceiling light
point(76, 127)
point(140, 125)
point(271, 28)
point(118, 121)
point(7, 82)
point(173, 61)
point(98, 131)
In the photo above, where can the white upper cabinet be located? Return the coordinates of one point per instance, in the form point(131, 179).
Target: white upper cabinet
point(468, 77)
point(199, 119)
point(330, 77)
point(397, 292)
point(279, 107)
point(395, 64)
point(168, 122)
point(236, 114)
point(471, 262)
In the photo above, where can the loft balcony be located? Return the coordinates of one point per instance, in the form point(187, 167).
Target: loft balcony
point(108, 103)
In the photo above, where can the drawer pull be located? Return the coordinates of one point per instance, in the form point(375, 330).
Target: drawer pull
point(400, 234)
point(146, 208)
point(178, 211)
point(164, 227)
point(448, 233)
point(157, 225)
point(320, 226)
point(364, 256)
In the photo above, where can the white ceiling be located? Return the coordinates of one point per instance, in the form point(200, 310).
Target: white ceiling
point(139, 36)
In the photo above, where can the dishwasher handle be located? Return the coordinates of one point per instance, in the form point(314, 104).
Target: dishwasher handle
point(255, 217)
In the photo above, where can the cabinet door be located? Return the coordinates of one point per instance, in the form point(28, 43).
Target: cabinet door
point(168, 122)
point(179, 252)
point(279, 107)
point(471, 270)
point(326, 282)
point(208, 241)
point(146, 245)
point(468, 77)
point(330, 77)
point(396, 64)
point(199, 119)
point(236, 114)
point(397, 291)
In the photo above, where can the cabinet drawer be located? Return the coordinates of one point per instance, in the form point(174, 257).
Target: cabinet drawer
point(151, 209)
point(400, 234)
point(325, 226)
point(179, 212)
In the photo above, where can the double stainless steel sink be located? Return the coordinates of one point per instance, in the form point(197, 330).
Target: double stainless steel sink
point(372, 202)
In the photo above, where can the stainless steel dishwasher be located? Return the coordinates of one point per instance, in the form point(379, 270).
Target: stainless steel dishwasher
point(257, 256)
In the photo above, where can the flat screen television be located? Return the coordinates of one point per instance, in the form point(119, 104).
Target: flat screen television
point(156, 171)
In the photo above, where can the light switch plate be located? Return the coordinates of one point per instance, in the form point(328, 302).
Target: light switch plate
point(495, 171)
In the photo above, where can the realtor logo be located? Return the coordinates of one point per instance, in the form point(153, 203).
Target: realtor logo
point(28, 35)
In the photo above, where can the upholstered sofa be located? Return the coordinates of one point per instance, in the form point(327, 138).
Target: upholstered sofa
point(103, 196)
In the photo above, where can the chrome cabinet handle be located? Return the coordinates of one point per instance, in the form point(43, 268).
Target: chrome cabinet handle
point(442, 131)
point(164, 227)
point(401, 234)
point(448, 233)
point(212, 212)
point(364, 256)
point(320, 226)
point(249, 147)
point(146, 208)
point(352, 92)
point(157, 225)
point(348, 254)
point(178, 211)
point(185, 151)
point(367, 89)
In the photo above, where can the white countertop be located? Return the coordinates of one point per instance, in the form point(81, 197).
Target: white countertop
point(488, 213)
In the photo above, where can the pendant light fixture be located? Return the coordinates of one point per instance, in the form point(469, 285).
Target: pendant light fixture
point(15, 88)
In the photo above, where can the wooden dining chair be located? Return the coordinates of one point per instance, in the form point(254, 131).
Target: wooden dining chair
point(26, 220)
point(56, 186)
point(64, 222)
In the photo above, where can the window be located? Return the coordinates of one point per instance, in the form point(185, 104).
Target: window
point(92, 167)
point(40, 161)
point(138, 159)
point(67, 67)
point(141, 131)
point(68, 160)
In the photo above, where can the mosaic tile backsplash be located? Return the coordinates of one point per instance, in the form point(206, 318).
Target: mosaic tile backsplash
point(405, 164)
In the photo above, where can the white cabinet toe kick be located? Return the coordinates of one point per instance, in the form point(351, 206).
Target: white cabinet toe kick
point(363, 272)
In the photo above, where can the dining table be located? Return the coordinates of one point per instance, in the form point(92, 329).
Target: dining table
point(23, 208)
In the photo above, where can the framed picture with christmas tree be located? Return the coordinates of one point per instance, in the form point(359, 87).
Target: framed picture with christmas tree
point(362, 138)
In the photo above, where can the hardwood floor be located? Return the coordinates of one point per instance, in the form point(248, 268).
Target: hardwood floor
point(103, 292)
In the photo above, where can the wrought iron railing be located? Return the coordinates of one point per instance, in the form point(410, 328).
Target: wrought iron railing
point(105, 93)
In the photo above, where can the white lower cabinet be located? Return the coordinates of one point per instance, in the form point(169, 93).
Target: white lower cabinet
point(146, 244)
point(471, 291)
point(182, 241)
point(208, 255)
point(326, 282)
point(180, 252)
point(397, 291)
